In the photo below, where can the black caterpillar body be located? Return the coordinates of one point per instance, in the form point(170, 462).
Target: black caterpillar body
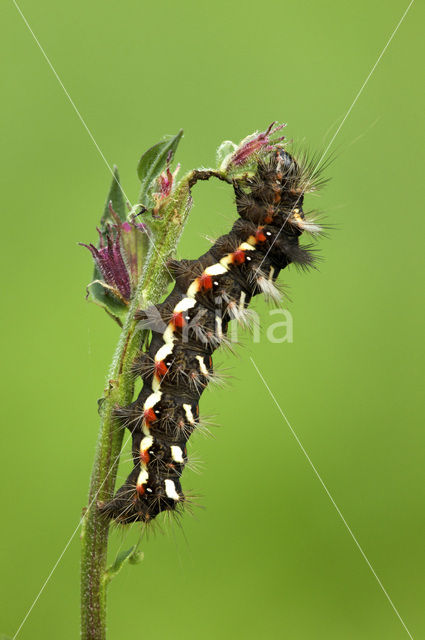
point(208, 293)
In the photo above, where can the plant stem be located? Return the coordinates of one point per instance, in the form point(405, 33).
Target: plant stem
point(119, 392)
point(95, 528)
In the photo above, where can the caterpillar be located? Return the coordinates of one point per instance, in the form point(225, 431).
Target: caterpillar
point(192, 323)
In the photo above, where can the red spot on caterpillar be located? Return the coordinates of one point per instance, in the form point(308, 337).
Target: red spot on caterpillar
point(149, 416)
point(178, 319)
point(205, 282)
point(259, 235)
point(238, 257)
point(140, 488)
point(160, 368)
point(269, 217)
point(145, 457)
point(210, 362)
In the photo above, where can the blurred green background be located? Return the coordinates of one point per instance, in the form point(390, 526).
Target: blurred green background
point(268, 556)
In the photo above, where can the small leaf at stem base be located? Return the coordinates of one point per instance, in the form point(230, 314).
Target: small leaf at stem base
point(152, 163)
point(130, 556)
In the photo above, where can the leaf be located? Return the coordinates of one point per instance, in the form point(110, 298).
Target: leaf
point(224, 151)
point(115, 196)
point(100, 294)
point(130, 556)
point(136, 557)
point(152, 162)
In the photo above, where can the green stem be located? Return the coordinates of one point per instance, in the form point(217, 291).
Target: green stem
point(119, 392)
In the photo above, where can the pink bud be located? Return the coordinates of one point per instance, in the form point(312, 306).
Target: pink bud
point(255, 143)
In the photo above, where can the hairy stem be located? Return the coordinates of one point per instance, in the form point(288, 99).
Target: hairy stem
point(95, 528)
point(165, 235)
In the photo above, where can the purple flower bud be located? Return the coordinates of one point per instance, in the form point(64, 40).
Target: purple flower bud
point(165, 182)
point(254, 144)
point(110, 262)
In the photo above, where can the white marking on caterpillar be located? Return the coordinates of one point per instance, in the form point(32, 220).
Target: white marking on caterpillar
point(215, 270)
point(189, 415)
point(168, 335)
point(242, 300)
point(149, 404)
point(193, 288)
point(156, 383)
point(177, 454)
point(202, 366)
point(146, 443)
point(163, 352)
point(219, 326)
point(184, 305)
point(246, 247)
point(142, 478)
point(226, 261)
point(271, 273)
point(170, 490)
point(151, 400)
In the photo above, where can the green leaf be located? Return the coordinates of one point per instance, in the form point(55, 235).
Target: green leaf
point(130, 556)
point(136, 557)
point(99, 293)
point(115, 196)
point(224, 152)
point(152, 162)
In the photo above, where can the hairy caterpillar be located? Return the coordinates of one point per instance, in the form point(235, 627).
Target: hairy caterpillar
point(192, 322)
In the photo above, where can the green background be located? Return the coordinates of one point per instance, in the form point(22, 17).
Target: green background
point(268, 556)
